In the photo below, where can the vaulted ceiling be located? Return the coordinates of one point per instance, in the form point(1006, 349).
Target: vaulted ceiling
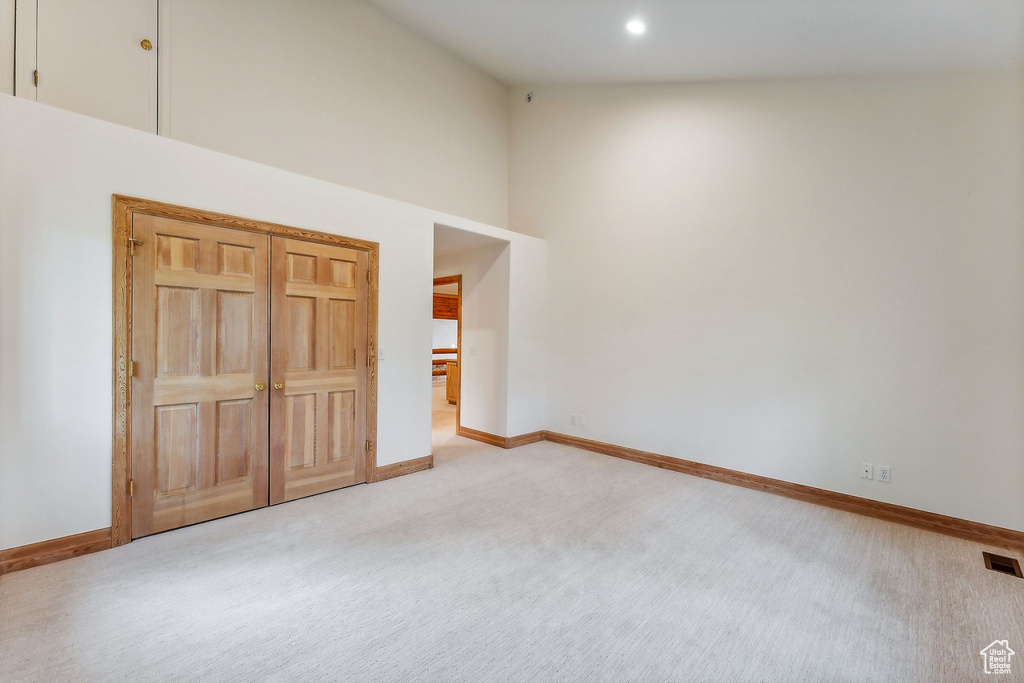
point(585, 41)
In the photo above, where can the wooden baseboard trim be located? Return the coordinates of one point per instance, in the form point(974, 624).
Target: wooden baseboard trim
point(500, 441)
point(523, 439)
point(55, 550)
point(401, 468)
point(929, 521)
point(483, 437)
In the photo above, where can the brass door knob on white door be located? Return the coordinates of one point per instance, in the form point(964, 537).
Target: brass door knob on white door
point(279, 385)
point(146, 44)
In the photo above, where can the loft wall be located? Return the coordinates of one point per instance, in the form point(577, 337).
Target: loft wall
point(338, 91)
point(334, 90)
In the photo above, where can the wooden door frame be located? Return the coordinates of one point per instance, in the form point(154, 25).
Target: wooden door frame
point(123, 209)
point(457, 280)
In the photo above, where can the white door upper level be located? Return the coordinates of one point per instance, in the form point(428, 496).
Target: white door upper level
point(97, 58)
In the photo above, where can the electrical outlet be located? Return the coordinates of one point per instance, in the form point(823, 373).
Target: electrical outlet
point(883, 473)
point(583, 420)
point(380, 354)
point(572, 419)
point(867, 470)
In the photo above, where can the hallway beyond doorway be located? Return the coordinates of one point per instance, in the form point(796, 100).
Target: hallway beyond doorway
point(442, 425)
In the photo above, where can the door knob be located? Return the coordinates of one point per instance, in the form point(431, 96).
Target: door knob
point(260, 386)
point(146, 44)
point(279, 385)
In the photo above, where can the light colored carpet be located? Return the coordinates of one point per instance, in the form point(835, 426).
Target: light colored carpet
point(540, 564)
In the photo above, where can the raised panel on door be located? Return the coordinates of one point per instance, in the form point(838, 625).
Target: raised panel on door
point(200, 301)
point(90, 59)
point(318, 355)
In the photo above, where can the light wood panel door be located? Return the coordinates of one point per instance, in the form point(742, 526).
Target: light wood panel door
point(200, 346)
point(318, 366)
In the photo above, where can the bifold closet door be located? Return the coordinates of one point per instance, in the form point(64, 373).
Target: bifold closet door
point(200, 405)
point(318, 368)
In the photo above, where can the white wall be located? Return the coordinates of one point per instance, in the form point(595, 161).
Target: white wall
point(485, 340)
point(528, 342)
point(446, 336)
point(338, 91)
point(790, 278)
point(57, 173)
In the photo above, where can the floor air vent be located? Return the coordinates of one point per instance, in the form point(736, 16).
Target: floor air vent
point(1003, 565)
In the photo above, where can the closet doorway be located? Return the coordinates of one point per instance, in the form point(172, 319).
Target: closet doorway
point(245, 365)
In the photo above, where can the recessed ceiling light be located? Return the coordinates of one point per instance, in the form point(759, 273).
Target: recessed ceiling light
point(636, 27)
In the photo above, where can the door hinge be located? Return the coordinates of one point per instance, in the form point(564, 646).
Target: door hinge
point(367, 277)
point(132, 242)
point(131, 368)
point(131, 488)
point(35, 77)
point(367, 445)
point(368, 361)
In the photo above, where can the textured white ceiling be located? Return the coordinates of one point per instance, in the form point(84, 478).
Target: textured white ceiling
point(585, 41)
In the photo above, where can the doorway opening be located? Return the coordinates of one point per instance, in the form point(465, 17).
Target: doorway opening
point(446, 354)
point(469, 361)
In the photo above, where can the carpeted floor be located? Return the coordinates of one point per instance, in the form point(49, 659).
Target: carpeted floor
point(543, 563)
